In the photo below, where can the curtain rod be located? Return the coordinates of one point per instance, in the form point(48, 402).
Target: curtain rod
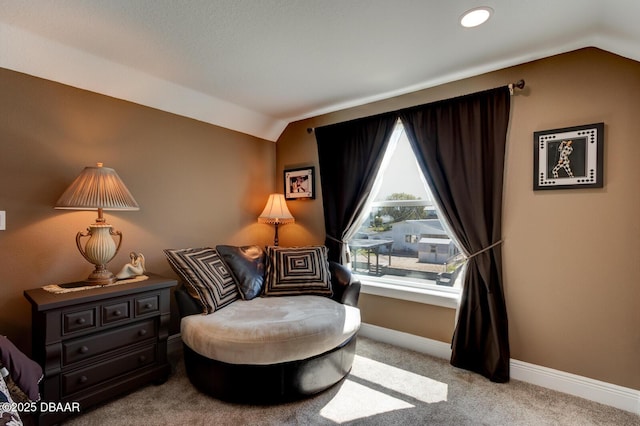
point(517, 85)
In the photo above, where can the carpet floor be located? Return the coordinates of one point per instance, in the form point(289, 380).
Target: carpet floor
point(387, 386)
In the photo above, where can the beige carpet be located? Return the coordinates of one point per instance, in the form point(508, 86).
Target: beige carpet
point(387, 386)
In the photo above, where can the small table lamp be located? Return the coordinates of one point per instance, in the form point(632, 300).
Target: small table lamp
point(98, 188)
point(276, 213)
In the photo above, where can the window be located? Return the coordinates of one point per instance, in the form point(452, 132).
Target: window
point(411, 239)
point(402, 244)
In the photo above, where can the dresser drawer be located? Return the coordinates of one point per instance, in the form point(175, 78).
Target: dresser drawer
point(116, 312)
point(148, 304)
point(81, 379)
point(83, 348)
point(78, 321)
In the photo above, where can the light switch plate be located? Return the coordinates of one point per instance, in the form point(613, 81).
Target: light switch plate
point(3, 220)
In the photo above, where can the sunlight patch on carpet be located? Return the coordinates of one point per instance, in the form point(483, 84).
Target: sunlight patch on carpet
point(373, 387)
point(398, 380)
point(355, 401)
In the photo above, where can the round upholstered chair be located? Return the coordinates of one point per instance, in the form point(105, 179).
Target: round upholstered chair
point(271, 349)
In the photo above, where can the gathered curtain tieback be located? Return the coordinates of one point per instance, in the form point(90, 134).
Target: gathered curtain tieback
point(347, 255)
point(336, 240)
point(484, 249)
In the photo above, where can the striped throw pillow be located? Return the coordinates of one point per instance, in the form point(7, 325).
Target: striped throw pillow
point(206, 273)
point(297, 270)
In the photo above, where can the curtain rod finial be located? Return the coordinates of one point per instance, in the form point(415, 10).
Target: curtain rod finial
point(519, 84)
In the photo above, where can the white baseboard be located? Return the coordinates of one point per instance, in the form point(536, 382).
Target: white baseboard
point(594, 390)
point(605, 393)
point(406, 340)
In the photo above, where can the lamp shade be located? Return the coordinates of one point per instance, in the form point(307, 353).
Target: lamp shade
point(276, 211)
point(95, 188)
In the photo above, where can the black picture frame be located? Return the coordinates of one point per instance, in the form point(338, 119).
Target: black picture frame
point(300, 183)
point(568, 158)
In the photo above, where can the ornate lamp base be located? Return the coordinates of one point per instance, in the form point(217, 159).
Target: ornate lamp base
point(99, 249)
point(101, 276)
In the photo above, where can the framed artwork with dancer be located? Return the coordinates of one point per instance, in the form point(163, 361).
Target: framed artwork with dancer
point(299, 183)
point(568, 158)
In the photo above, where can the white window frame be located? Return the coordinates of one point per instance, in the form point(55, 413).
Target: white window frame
point(404, 288)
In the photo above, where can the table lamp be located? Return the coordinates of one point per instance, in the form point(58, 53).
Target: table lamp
point(98, 188)
point(276, 213)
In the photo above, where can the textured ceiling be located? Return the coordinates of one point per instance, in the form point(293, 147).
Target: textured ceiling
point(256, 65)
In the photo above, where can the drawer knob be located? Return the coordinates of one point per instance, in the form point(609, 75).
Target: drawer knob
point(81, 321)
point(148, 306)
point(142, 332)
point(82, 379)
point(83, 349)
point(117, 313)
point(142, 358)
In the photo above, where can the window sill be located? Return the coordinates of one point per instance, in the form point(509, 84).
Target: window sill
point(446, 297)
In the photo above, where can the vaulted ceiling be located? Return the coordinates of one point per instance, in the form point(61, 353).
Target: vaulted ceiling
point(256, 65)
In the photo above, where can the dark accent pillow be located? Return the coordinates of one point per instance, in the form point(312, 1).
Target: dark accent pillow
point(297, 270)
point(204, 270)
point(25, 372)
point(246, 265)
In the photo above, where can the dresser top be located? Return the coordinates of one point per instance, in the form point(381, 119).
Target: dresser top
point(44, 300)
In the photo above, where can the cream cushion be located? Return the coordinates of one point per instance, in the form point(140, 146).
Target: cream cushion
point(271, 330)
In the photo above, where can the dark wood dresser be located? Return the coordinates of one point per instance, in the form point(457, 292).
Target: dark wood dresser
point(96, 344)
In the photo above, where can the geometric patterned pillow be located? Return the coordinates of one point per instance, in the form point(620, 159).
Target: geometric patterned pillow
point(297, 270)
point(206, 273)
point(8, 413)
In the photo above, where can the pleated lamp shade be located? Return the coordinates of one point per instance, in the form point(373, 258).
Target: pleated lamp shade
point(95, 188)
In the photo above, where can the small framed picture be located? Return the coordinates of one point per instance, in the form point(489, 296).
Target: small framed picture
point(299, 183)
point(568, 158)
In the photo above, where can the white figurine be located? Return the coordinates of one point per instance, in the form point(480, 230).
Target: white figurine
point(133, 268)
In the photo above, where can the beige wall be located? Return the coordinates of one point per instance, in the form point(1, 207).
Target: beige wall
point(571, 257)
point(196, 184)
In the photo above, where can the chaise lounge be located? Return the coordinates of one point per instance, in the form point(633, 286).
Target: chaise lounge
point(289, 332)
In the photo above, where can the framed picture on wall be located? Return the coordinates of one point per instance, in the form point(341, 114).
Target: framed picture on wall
point(568, 158)
point(299, 183)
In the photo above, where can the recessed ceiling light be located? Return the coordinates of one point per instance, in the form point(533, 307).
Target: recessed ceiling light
point(475, 16)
